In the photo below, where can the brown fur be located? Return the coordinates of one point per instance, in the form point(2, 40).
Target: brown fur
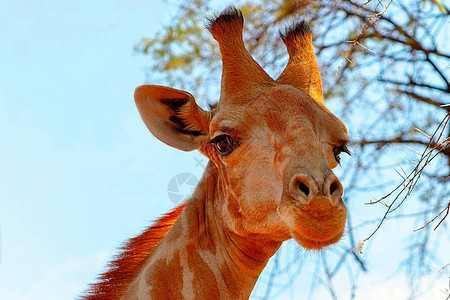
point(172, 274)
point(113, 283)
point(302, 70)
point(237, 63)
point(205, 286)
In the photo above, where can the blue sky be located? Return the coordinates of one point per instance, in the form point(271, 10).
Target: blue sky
point(79, 172)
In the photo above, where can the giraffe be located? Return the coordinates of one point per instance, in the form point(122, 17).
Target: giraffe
point(271, 144)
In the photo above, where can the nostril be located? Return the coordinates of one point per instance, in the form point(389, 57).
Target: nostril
point(333, 187)
point(303, 188)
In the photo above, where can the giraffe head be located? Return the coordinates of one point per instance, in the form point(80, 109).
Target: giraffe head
point(273, 142)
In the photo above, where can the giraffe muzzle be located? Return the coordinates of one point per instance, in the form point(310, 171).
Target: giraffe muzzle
point(314, 211)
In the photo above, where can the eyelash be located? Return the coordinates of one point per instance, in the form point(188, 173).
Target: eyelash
point(338, 150)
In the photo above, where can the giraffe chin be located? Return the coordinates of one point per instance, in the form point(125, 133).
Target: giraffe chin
point(317, 224)
point(316, 244)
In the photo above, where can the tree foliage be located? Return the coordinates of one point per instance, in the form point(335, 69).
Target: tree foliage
point(385, 71)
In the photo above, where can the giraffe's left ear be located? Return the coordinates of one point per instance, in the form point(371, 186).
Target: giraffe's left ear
point(172, 116)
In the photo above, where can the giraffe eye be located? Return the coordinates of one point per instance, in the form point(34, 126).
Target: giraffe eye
point(338, 150)
point(224, 144)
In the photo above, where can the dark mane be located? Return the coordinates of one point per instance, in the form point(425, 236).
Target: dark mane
point(126, 265)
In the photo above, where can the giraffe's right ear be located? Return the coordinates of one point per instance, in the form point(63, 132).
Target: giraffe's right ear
point(172, 116)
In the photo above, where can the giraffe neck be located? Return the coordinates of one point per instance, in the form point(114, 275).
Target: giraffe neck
point(199, 258)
